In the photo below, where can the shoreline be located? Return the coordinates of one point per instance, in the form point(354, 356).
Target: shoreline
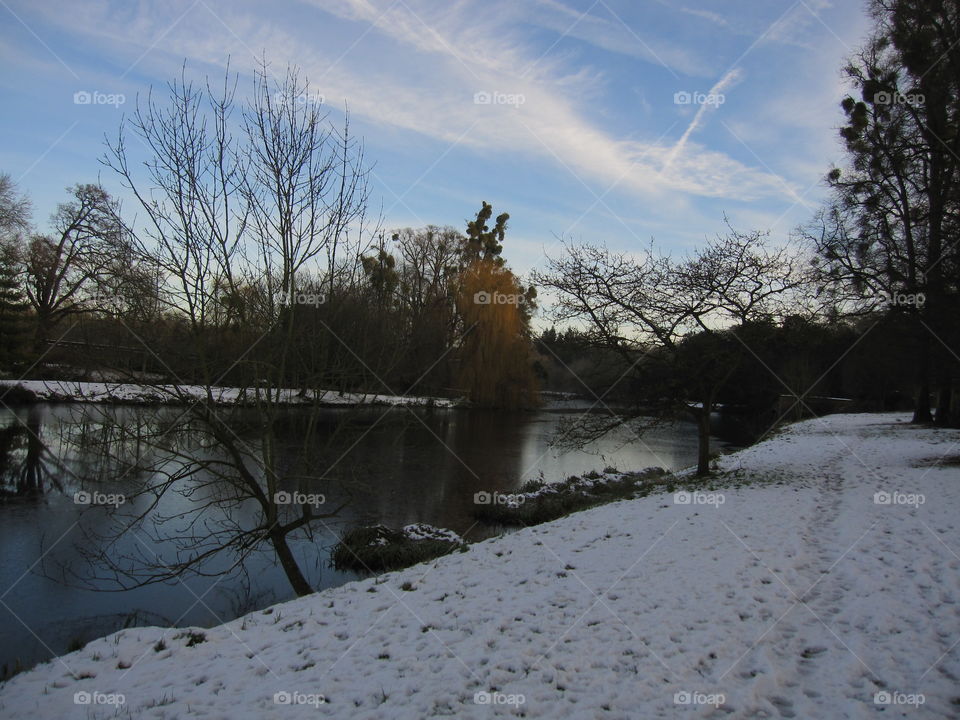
point(118, 393)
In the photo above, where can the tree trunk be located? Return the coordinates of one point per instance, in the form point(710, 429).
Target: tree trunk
point(944, 416)
point(41, 334)
point(289, 564)
point(703, 441)
point(921, 409)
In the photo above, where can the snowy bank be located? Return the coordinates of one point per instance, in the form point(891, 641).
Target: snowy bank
point(105, 392)
point(826, 586)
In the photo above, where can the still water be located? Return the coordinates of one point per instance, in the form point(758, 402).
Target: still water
point(391, 466)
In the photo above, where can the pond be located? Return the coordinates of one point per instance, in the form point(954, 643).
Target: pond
point(392, 466)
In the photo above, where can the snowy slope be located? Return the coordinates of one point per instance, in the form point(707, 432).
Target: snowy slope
point(812, 599)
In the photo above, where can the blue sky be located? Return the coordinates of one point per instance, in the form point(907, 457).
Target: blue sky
point(583, 136)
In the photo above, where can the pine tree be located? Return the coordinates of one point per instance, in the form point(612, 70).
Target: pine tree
point(482, 242)
point(14, 318)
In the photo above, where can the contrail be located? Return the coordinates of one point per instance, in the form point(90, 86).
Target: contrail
point(721, 85)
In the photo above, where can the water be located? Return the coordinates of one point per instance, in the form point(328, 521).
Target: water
point(395, 467)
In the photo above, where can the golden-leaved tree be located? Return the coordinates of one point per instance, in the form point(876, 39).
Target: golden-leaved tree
point(496, 352)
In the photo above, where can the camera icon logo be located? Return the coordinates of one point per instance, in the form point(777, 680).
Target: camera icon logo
point(282, 498)
point(482, 298)
point(882, 698)
point(82, 497)
point(883, 98)
point(82, 97)
point(682, 498)
point(482, 498)
point(282, 698)
point(82, 698)
point(882, 498)
point(482, 98)
point(682, 698)
point(682, 98)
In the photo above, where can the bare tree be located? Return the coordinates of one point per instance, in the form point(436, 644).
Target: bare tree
point(241, 199)
point(675, 323)
point(14, 207)
point(62, 267)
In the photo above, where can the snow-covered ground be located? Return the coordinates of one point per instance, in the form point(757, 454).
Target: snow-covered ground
point(73, 391)
point(832, 590)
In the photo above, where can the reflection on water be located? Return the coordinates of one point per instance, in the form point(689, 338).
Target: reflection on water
point(394, 466)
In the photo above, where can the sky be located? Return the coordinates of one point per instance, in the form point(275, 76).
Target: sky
point(605, 121)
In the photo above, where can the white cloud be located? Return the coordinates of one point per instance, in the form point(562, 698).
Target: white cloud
point(467, 53)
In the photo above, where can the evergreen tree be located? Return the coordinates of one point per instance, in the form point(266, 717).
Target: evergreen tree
point(482, 242)
point(897, 210)
point(14, 318)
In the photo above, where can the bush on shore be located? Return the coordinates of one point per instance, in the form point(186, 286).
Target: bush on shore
point(536, 502)
point(379, 548)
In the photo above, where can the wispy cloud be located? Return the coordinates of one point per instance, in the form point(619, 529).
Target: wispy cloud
point(467, 55)
point(716, 92)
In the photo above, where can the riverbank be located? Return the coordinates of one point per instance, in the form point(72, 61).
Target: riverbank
point(818, 578)
point(59, 391)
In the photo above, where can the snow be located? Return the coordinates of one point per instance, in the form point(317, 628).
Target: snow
point(822, 587)
point(423, 531)
point(73, 391)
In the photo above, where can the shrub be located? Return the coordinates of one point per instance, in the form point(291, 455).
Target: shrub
point(17, 395)
point(377, 548)
point(536, 502)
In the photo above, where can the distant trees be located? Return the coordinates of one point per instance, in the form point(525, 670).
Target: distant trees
point(62, 268)
point(14, 208)
point(429, 265)
point(681, 327)
point(889, 239)
point(441, 311)
point(14, 323)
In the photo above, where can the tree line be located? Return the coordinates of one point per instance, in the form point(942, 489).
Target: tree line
point(250, 260)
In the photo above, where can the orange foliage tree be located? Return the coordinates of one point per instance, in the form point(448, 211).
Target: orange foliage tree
point(496, 352)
